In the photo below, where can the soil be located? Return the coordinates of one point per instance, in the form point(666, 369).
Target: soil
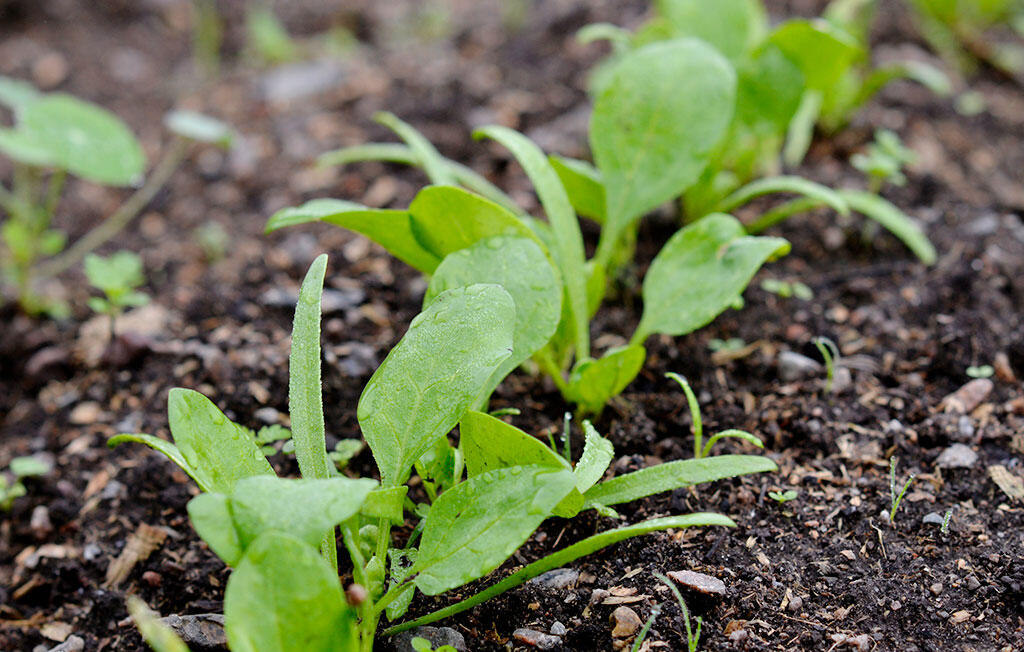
point(824, 571)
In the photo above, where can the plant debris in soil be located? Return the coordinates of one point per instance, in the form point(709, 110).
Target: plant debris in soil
point(825, 571)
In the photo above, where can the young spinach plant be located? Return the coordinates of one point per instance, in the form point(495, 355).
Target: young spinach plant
point(895, 493)
point(56, 135)
point(701, 449)
point(116, 276)
point(12, 488)
point(280, 534)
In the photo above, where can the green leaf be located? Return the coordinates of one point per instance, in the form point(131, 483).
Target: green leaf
point(582, 182)
point(402, 562)
point(566, 556)
point(768, 91)
point(285, 598)
point(434, 375)
point(219, 452)
point(84, 139)
point(15, 93)
point(118, 272)
point(305, 395)
point(157, 635)
point(21, 147)
point(894, 220)
point(386, 503)
point(597, 455)
point(161, 446)
point(28, 466)
point(211, 517)
point(391, 229)
point(446, 219)
point(823, 51)
point(200, 128)
point(702, 270)
point(673, 475)
point(733, 27)
point(568, 241)
point(490, 443)
point(520, 266)
point(427, 155)
point(665, 108)
point(465, 536)
point(787, 184)
point(594, 382)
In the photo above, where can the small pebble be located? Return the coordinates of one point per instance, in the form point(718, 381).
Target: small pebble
point(199, 630)
point(699, 582)
point(738, 636)
point(557, 628)
point(558, 578)
point(932, 517)
point(957, 456)
point(973, 584)
point(794, 366)
point(626, 622)
point(796, 603)
point(152, 578)
point(935, 588)
point(969, 396)
point(861, 642)
point(536, 639)
point(71, 644)
point(965, 428)
point(40, 522)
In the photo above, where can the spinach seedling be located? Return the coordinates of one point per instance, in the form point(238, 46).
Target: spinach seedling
point(700, 450)
point(280, 534)
point(56, 135)
point(692, 635)
point(783, 496)
point(830, 354)
point(116, 276)
point(12, 488)
point(896, 494)
point(965, 32)
point(884, 160)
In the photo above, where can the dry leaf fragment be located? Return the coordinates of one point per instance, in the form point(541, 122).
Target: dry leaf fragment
point(140, 546)
point(1011, 485)
point(56, 631)
point(959, 617)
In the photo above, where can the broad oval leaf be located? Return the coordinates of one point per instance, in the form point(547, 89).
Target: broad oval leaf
point(219, 452)
point(210, 514)
point(285, 598)
point(768, 90)
point(594, 382)
point(822, 51)
point(520, 266)
point(733, 27)
point(702, 270)
point(434, 374)
point(475, 526)
point(15, 93)
point(391, 229)
point(84, 139)
point(446, 219)
point(489, 443)
point(673, 475)
point(666, 106)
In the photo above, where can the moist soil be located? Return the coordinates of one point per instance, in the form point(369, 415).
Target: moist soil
point(823, 571)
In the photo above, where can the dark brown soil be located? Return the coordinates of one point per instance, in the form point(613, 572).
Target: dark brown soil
point(824, 571)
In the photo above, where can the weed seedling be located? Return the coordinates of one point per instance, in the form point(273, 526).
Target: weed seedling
point(884, 161)
point(13, 487)
point(896, 495)
point(830, 354)
point(787, 289)
point(421, 644)
point(783, 496)
point(700, 451)
point(116, 276)
point(945, 521)
point(642, 635)
point(981, 371)
point(692, 636)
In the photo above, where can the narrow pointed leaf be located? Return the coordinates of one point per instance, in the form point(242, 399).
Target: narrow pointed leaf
point(162, 446)
point(784, 184)
point(427, 155)
point(894, 220)
point(597, 455)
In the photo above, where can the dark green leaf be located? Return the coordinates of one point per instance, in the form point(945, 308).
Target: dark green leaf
point(594, 382)
point(583, 184)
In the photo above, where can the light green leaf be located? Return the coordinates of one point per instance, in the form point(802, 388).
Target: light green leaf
point(211, 517)
point(733, 27)
point(161, 446)
point(490, 443)
point(702, 270)
point(285, 598)
point(786, 184)
point(84, 139)
point(520, 266)
point(305, 394)
point(465, 537)
point(426, 154)
point(157, 635)
point(434, 375)
point(116, 273)
point(594, 382)
point(386, 503)
point(673, 475)
point(568, 241)
point(823, 51)
point(15, 93)
point(219, 452)
point(582, 182)
point(391, 229)
point(666, 106)
point(768, 91)
point(446, 219)
point(22, 147)
point(597, 455)
point(200, 128)
point(894, 220)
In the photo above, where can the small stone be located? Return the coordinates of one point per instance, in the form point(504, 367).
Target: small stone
point(935, 588)
point(50, 70)
point(796, 603)
point(957, 456)
point(699, 582)
point(70, 644)
point(973, 584)
point(40, 522)
point(895, 605)
point(738, 636)
point(626, 622)
point(842, 379)
point(557, 628)
point(558, 578)
point(85, 413)
point(536, 639)
point(91, 552)
point(932, 517)
point(958, 617)
point(968, 397)
point(199, 630)
point(437, 636)
point(964, 428)
point(794, 366)
point(301, 80)
point(861, 642)
point(152, 578)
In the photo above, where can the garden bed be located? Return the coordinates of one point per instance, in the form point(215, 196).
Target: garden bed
point(826, 569)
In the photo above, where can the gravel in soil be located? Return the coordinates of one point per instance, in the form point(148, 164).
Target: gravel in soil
point(826, 570)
